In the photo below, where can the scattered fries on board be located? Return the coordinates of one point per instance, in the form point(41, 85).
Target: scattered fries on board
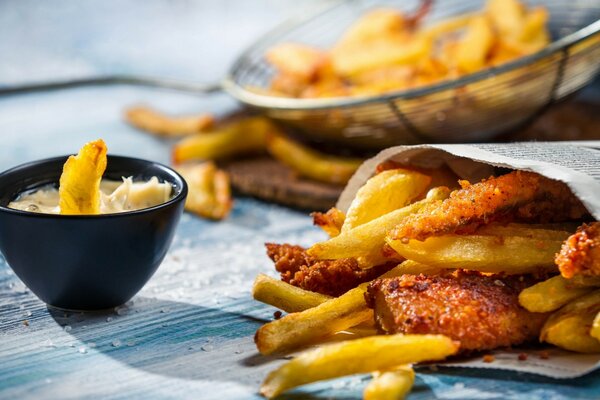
point(205, 141)
point(388, 50)
point(487, 249)
point(153, 121)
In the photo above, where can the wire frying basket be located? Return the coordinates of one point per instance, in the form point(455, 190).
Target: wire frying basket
point(475, 107)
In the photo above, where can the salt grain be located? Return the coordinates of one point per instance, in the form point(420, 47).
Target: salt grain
point(108, 319)
point(82, 350)
point(67, 328)
point(116, 343)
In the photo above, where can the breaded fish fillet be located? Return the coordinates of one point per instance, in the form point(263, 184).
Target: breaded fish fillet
point(482, 312)
point(580, 254)
point(331, 277)
point(517, 196)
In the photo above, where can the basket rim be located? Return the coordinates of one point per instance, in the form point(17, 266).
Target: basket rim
point(291, 103)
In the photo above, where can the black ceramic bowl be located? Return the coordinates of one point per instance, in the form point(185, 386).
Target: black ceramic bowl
point(87, 262)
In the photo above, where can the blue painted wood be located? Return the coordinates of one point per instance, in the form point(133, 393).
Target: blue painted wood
point(188, 334)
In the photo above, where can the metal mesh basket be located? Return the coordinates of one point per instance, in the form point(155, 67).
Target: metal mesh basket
point(475, 107)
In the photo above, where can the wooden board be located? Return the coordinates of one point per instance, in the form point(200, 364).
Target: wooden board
point(270, 180)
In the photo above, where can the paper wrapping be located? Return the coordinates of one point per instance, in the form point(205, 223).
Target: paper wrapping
point(575, 163)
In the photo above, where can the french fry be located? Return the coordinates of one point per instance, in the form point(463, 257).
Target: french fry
point(79, 190)
point(569, 327)
point(240, 137)
point(209, 192)
point(284, 296)
point(331, 222)
point(385, 192)
point(507, 16)
point(390, 385)
point(474, 47)
point(298, 60)
point(534, 25)
point(365, 242)
point(387, 50)
point(555, 292)
point(315, 324)
point(153, 121)
point(310, 163)
point(595, 331)
point(373, 25)
point(356, 356)
point(482, 253)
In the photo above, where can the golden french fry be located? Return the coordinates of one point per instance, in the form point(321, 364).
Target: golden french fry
point(310, 163)
point(365, 242)
point(385, 192)
point(153, 121)
point(569, 327)
point(534, 25)
point(482, 253)
point(595, 331)
point(317, 323)
point(356, 356)
point(240, 137)
point(314, 324)
point(555, 292)
point(390, 385)
point(79, 191)
point(507, 16)
point(474, 47)
point(284, 296)
point(389, 50)
point(209, 192)
point(331, 222)
point(373, 25)
point(295, 59)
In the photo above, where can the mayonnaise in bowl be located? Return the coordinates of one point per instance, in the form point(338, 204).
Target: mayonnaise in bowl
point(115, 196)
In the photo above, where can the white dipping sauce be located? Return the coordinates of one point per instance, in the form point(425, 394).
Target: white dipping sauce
point(115, 197)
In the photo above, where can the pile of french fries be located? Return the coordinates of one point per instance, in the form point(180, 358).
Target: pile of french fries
point(383, 202)
point(386, 50)
point(202, 141)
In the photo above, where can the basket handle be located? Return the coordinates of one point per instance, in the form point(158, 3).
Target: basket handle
point(163, 83)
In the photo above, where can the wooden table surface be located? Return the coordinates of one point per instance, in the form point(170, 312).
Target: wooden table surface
point(188, 333)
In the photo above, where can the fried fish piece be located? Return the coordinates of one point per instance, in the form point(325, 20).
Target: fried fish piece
point(482, 312)
point(79, 190)
point(580, 254)
point(516, 196)
point(330, 277)
point(331, 221)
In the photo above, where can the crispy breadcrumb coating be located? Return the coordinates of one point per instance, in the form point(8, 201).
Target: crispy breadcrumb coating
point(580, 254)
point(482, 312)
point(330, 277)
point(517, 196)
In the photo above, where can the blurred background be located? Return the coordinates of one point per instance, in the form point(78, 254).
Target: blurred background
point(196, 41)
